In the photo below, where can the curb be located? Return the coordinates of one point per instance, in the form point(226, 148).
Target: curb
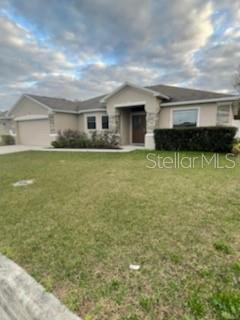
point(22, 298)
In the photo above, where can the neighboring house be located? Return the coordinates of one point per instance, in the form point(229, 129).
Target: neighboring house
point(5, 124)
point(131, 111)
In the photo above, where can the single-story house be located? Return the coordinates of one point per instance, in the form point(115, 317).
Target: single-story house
point(5, 124)
point(131, 111)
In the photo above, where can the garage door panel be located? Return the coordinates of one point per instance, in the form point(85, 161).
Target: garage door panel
point(34, 132)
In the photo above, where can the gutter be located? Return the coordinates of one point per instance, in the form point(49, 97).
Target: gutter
point(31, 117)
point(78, 112)
point(169, 104)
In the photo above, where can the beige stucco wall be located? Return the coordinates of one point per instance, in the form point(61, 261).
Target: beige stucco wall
point(125, 117)
point(83, 121)
point(207, 114)
point(28, 107)
point(64, 121)
point(164, 118)
point(131, 95)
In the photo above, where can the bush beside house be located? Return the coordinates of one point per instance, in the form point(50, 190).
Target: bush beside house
point(76, 139)
point(7, 139)
point(212, 139)
point(236, 147)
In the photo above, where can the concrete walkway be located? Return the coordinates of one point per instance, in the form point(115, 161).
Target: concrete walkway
point(123, 149)
point(22, 298)
point(13, 149)
point(21, 148)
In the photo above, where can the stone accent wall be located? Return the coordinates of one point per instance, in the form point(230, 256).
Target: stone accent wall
point(114, 123)
point(151, 121)
point(22, 298)
point(52, 123)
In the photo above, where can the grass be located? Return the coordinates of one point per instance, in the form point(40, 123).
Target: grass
point(89, 215)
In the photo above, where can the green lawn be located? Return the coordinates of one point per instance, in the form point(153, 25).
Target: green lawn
point(89, 215)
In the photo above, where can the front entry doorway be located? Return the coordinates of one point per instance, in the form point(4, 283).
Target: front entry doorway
point(138, 128)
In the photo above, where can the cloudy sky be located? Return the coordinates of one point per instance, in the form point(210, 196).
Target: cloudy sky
point(81, 48)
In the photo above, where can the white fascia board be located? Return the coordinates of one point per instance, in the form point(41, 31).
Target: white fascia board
point(31, 117)
point(226, 99)
point(77, 112)
point(64, 111)
point(125, 84)
point(130, 104)
point(91, 110)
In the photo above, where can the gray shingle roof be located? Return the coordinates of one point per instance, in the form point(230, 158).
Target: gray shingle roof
point(64, 104)
point(93, 103)
point(57, 103)
point(178, 94)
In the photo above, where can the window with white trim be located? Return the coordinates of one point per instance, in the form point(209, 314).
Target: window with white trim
point(185, 118)
point(223, 114)
point(105, 122)
point(91, 123)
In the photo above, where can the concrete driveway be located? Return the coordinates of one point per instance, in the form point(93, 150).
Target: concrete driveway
point(13, 149)
point(22, 298)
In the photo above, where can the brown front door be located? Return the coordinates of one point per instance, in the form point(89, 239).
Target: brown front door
point(138, 128)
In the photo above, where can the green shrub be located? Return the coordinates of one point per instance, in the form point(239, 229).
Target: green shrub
point(71, 139)
point(76, 139)
point(7, 139)
point(236, 148)
point(104, 139)
point(212, 139)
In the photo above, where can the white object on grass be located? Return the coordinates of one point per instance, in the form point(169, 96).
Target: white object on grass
point(23, 183)
point(134, 267)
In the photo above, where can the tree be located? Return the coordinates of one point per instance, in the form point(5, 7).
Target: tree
point(236, 80)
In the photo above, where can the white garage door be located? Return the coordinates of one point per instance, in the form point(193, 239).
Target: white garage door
point(34, 132)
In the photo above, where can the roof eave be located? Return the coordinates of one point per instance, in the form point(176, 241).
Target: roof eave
point(224, 99)
point(92, 110)
point(64, 111)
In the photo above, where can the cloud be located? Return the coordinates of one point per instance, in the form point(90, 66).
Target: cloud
point(83, 48)
point(219, 60)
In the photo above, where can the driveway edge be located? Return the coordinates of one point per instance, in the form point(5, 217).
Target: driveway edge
point(22, 298)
